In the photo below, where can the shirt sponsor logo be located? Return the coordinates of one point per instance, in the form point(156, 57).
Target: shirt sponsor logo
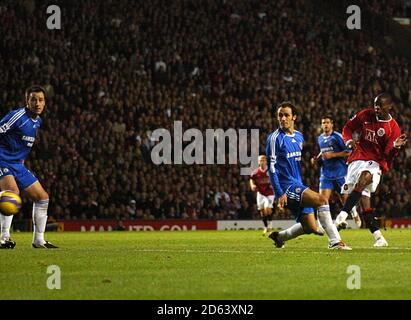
point(370, 136)
point(28, 138)
point(294, 154)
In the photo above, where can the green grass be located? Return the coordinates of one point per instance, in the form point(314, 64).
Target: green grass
point(205, 265)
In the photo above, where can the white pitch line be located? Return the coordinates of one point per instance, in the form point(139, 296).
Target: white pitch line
point(199, 251)
point(265, 252)
point(383, 248)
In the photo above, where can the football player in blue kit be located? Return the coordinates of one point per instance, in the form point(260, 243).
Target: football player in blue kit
point(284, 153)
point(332, 158)
point(18, 131)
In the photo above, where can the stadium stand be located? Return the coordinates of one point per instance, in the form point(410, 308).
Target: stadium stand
point(117, 70)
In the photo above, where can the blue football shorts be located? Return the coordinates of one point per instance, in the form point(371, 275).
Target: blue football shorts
point(294, 196)
point(331, 184)
point(23, 176)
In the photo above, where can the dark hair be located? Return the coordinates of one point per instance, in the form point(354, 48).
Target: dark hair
point(386, 96)
point(35, 88)
point(327, 116)
point(288, 104)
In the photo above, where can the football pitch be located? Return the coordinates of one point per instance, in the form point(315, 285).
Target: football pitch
point(202, 265)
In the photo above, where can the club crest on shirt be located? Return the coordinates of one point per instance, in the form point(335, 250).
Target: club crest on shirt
point(380, 132)
point(297, 190)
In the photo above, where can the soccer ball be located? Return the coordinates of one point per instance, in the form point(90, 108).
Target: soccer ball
point(10, 203)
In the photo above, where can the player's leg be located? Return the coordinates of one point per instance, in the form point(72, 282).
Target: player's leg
point(325, 191)
point(301, 196)
point(372, 222)
point(306, 224)
point(356, 216)
point(309, 222)
point(294, 204)
point(261, 209)
point(265, 221)
point(311, 225)
point(7, 183)
point(362, 178)
point(292, 232)
point(40, 200)
point(360, 175)
point(340, 220)
point(269, 212)
point(365, 179)
point(311, 198)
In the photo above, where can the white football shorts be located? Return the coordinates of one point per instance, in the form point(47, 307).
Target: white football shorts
point(264, 201)
point(355, 169)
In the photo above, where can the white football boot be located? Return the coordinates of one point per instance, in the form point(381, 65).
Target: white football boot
point(381, 242)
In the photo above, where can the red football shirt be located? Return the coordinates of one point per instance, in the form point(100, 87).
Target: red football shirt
point(262, 181)
point(376, 138)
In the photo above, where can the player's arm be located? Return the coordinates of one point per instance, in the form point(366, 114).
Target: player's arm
point(395, 142)
point(344, 150)
point(353, 125)
point(317, 160)
point(332, 155)
point(253, 186)
point(271, 153)
point(10, 121)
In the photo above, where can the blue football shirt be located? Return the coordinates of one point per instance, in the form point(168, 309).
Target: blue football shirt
point(284, 153)
point(332, 168)
point(18, 132)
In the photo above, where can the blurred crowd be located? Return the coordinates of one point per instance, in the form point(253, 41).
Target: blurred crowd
point(390, 8)
point(118, 70)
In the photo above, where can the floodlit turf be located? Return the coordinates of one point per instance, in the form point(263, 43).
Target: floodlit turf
point(205, 265)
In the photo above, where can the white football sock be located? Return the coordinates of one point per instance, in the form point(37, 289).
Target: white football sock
point(342, 216)
point(270, 224)
point(324, 216)
point(291, 233)
point(319, 223)
point(377, 234)
point(39, 220)
point(5, 222)
point(354, 212)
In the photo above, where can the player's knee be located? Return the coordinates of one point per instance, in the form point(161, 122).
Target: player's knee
point(14, 190)
point(268, 211)
point(322, 200)
point(43, 196)
point(365, 179)
point(308, 228)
